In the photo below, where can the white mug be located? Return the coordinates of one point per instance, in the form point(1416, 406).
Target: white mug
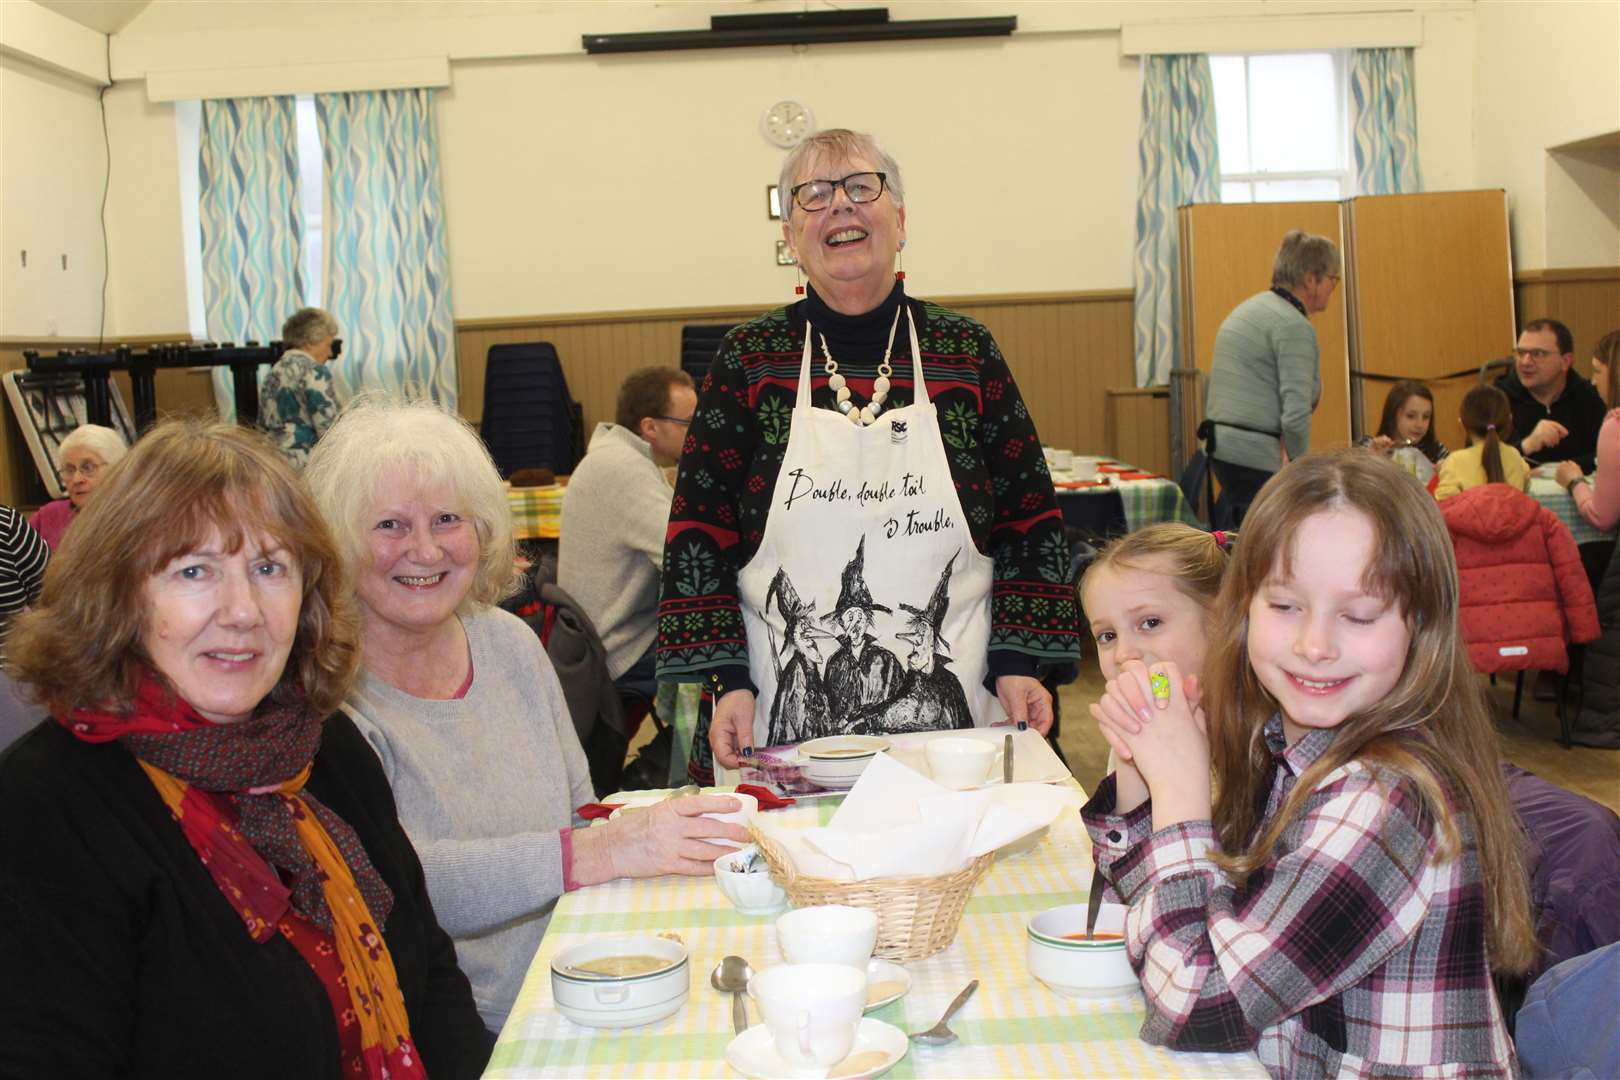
point(741, 816)
point(812, 1010)
point(829, 933)
point(1083, 468)
point(960, 763)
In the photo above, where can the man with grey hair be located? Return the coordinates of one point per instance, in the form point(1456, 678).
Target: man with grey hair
point(1266, 377)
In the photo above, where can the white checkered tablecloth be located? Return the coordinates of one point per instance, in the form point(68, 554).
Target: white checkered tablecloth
point(1549, 494)
point(1012, 1027)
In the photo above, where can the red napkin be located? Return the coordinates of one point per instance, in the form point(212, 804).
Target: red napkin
point(768, 799)
point(591, 811)
point(1111, 468)
point(1081, 484)
point(1140, 476)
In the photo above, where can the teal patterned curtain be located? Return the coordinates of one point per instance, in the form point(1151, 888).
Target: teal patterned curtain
point(387, 276)
point(1180, 164)
point(252, 227)
point(1383, 102)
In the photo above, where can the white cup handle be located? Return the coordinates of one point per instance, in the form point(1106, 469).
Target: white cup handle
point(804, 1034)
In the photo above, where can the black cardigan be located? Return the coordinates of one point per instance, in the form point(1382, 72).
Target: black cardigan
point(120, 957)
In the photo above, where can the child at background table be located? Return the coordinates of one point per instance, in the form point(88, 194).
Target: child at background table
point(1149, 596)
point(1408, 420)
point(1339, 901)
point(1487, 417)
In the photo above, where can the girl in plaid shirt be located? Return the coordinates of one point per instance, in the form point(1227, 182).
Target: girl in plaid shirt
point(1326, 867)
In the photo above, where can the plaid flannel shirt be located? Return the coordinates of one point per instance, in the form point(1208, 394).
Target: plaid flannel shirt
point(1354, 952)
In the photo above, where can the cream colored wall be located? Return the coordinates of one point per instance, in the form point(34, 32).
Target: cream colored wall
point(51, 170)
point(1546, 73)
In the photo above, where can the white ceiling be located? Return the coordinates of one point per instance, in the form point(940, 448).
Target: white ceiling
point(105, 16)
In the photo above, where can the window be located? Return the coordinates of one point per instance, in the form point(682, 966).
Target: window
point(1281, 119)
point(310, 188)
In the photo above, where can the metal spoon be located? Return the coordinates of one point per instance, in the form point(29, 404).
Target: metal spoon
point(731, 976)
point(940, 1034)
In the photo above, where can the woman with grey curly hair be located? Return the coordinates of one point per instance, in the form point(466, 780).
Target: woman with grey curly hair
point(461, 703)
point(296, 404)
point(1266, 375)
point(87, 453)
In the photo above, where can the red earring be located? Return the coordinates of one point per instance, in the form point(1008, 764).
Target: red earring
point(900, 274)
point(798, 276)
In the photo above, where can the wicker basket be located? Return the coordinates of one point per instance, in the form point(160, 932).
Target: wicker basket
point(917, 916)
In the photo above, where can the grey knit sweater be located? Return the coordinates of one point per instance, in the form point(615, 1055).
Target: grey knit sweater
point(485, 784)
point(1266, 374)
point(615, 513)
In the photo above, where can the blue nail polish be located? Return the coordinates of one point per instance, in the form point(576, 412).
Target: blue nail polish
point(748, 751)
point(1023, 726)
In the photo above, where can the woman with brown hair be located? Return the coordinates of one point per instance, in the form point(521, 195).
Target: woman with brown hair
point(1487, 417)
point(202, 874)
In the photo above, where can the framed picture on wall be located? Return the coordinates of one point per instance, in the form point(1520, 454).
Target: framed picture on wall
point(48, 408)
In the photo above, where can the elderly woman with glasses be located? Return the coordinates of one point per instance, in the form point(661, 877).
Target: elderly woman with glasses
point(202, 872)
point(864, 535)
point(296, 404)
point(87, 453)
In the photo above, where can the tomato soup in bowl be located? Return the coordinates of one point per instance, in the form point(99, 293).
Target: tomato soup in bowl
point(1061, 956)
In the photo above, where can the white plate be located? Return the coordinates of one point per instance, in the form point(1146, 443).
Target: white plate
point(878, 1047)
point(842, 747)
point(879, 972)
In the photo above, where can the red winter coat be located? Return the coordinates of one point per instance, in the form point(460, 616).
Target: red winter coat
point(1524, 591)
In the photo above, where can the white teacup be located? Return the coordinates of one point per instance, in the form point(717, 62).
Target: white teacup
point(960, 763)
point(741, 816)
point(812, 1010)
point(1083, 468)
point(1061, 460)
point(828, 934)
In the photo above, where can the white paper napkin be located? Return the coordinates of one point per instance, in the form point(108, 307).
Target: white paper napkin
point(895, 822)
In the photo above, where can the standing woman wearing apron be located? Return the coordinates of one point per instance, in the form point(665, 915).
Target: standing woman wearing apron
point(864, 536)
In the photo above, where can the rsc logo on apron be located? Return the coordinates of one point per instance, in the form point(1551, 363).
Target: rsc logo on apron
point(867, 605)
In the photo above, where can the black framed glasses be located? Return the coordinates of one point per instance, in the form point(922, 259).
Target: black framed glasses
point(861, 187)
point(684, 421)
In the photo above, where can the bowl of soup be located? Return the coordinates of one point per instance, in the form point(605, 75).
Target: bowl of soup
point(1074, 965)
point(620, 982)
point(838, 760)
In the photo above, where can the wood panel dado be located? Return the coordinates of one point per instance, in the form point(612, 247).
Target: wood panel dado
point(1065, 350)
point(186, 392)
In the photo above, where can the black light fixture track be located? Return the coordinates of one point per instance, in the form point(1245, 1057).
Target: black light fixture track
point(800, 28)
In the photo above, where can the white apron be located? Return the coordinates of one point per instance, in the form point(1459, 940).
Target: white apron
point(867, 605)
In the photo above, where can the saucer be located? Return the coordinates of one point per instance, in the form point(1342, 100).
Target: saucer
point(878, 1047)
point(885, 982)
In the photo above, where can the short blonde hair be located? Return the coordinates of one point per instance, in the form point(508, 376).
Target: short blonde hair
point(101, 441)
point(1194, 560)
point(80, 646)
point(376, 438)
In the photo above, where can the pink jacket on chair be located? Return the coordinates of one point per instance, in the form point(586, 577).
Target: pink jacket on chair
point(1524, 591)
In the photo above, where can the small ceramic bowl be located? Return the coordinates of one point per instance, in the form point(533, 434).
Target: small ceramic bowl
point(1081, 969)
point(620, 1001)
point(750, 894)
point(838, 760)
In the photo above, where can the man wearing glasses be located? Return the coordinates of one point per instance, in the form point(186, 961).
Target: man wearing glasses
point(1556, 412)
point(615, 513)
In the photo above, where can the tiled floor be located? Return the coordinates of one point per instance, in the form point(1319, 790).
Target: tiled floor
point(1531, 742)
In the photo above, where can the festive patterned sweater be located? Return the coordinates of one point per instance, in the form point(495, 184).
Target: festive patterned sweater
point(739, 434)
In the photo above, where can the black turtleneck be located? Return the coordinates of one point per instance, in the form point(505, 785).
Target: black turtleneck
point(739, 434)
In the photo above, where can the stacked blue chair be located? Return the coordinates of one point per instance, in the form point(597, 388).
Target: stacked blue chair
point(530, 421)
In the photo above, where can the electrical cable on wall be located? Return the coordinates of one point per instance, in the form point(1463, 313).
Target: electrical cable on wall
point(106, 185)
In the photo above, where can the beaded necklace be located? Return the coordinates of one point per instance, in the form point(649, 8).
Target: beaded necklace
point(865, 414)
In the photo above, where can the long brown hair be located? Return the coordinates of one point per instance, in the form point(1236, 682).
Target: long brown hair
point(1432, 729)
point(1487, 416)
point(80, 645)
point(1395, 401)
point(1608, 350)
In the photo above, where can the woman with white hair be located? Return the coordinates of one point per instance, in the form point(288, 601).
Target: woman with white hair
point(87, 453)
point(461, 704)
point(296, 403)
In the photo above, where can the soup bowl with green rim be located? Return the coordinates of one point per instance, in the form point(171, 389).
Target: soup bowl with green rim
point(1078, 968)
point(619, 1001)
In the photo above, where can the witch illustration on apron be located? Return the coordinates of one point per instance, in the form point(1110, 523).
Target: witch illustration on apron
point(866, 526)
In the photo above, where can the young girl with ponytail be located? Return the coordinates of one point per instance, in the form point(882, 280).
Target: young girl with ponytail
point(1487, 417)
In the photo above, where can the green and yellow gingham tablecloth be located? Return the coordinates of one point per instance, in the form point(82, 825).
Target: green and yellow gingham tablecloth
point(1549, 494)
point(1146, 502)
point(536, 512)
point(1012, 1027)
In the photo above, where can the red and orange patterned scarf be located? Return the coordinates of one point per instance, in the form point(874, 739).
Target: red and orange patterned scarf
point(236, 792)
